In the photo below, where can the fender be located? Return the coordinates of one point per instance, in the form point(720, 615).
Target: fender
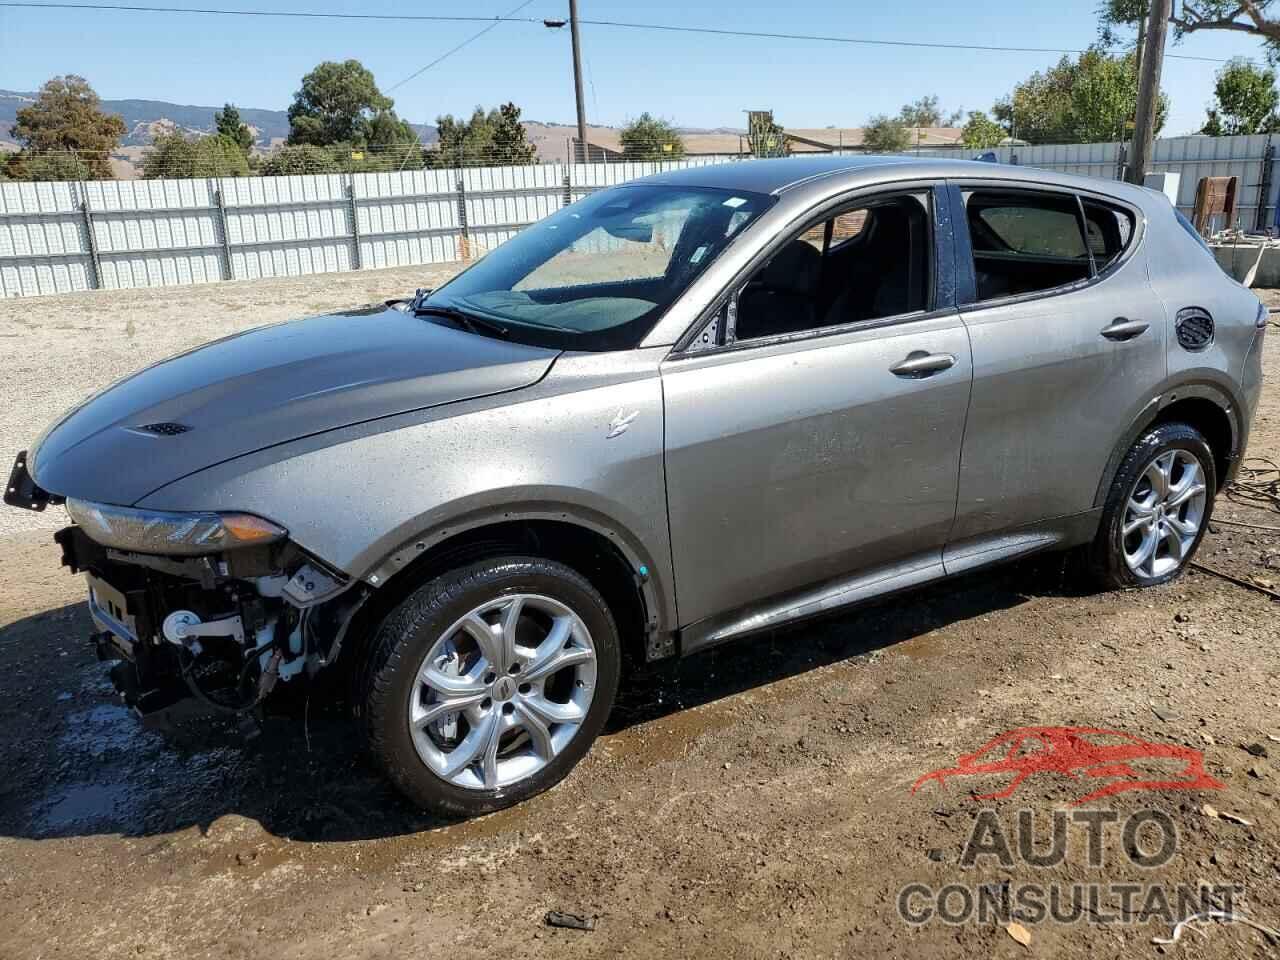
point(1204, 384)
point(656, 589)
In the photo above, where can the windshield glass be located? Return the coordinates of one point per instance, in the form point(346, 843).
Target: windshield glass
point(598, 274)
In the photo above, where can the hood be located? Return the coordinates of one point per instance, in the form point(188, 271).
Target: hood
point(264, 387)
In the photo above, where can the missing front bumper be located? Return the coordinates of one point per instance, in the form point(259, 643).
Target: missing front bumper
point(22, 491)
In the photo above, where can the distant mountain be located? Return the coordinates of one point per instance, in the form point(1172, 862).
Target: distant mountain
point(146, 119)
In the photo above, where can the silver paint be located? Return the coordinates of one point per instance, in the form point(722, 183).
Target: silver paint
point(755, 483)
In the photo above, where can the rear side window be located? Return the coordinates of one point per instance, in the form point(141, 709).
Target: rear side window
point(1024, 242)
point(1108, 231)
point(1040, 230)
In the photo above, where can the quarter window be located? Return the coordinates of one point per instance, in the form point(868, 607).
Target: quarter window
point(1108, 231)
point(1025, 242)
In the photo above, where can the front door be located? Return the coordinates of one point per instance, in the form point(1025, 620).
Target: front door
point(825, 438)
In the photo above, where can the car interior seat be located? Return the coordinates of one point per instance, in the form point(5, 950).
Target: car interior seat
point(781, 297)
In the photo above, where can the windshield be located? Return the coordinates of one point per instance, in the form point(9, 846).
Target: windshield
point(598, 274)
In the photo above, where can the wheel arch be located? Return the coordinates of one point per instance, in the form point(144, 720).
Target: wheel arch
point(613, 560)
point(1207, 405)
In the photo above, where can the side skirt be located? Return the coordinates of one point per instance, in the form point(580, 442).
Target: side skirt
point(845, 592)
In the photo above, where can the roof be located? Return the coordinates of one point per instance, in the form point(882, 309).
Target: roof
point(783, 174)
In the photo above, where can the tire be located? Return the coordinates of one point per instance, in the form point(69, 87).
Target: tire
point(535, 750)
point(1111, 555)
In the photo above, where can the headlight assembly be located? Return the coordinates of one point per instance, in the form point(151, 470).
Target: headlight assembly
point(157, 531)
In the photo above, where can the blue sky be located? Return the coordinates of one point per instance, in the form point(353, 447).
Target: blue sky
point(693, 80)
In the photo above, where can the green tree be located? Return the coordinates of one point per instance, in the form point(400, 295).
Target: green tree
point(390, 144)
point(493, 137)
point(1245, 101)
point(385, 129)
point(299, 159)
point(765, 137)
point(510, 145)
point(923, 113)
point(1086, 100)
point(462, 142)
point(981, 132)
point(648, 138)
point(46, 166)
point(336, 104)
point(1255, 17)
point(176, 155)
point(227, 123)
point(884, 134)
point(67, 118)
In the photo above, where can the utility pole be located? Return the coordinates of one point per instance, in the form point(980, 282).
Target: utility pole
point(583, 154)
point(1144, 121)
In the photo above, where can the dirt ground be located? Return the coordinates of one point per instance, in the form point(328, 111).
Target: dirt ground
point(754, 801)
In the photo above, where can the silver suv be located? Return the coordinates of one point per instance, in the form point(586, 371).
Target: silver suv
point(677, 412)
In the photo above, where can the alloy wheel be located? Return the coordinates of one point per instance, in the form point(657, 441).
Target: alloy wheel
point(503, 691)
point(1164, 513)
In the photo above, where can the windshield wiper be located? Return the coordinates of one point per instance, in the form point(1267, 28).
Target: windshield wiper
point(470, 321)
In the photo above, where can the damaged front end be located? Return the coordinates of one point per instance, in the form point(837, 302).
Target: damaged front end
point(205, 613)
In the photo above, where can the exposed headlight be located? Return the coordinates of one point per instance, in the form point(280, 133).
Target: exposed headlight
point(156, 531)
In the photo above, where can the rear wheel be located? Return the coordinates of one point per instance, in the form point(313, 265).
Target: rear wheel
point(1157, 510)
point(487, 685)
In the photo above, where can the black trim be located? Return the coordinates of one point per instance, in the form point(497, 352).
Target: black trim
point(1197, 389)
point(966, 291)
point(959, 186)
point(22, 491)
point(942, 294)
point(1082, 225)
point(1191, 336)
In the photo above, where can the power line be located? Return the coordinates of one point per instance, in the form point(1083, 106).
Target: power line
point(928, 45)
point(493, 21)
point(223, 12)
point(446, 55)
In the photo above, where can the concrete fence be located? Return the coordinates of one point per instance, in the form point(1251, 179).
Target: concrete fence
point(123, 234)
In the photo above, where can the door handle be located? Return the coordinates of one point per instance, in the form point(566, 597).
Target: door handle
point(1122, 329)
point(918, 364)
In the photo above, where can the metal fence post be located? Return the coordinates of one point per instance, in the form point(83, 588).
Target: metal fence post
point(228, 267)
point(1264, 186)
point(465, 240)
point(1122, 156)
point(94, 258)
point(355, 221)
point(567, 197)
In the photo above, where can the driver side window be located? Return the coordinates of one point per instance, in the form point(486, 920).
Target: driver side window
point(863, 263)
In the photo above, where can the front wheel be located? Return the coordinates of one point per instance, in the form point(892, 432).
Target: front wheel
point(1157, 510)
point(487, 685)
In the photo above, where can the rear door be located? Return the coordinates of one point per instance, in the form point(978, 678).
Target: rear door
point(826, 439)
point(1068, 346)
